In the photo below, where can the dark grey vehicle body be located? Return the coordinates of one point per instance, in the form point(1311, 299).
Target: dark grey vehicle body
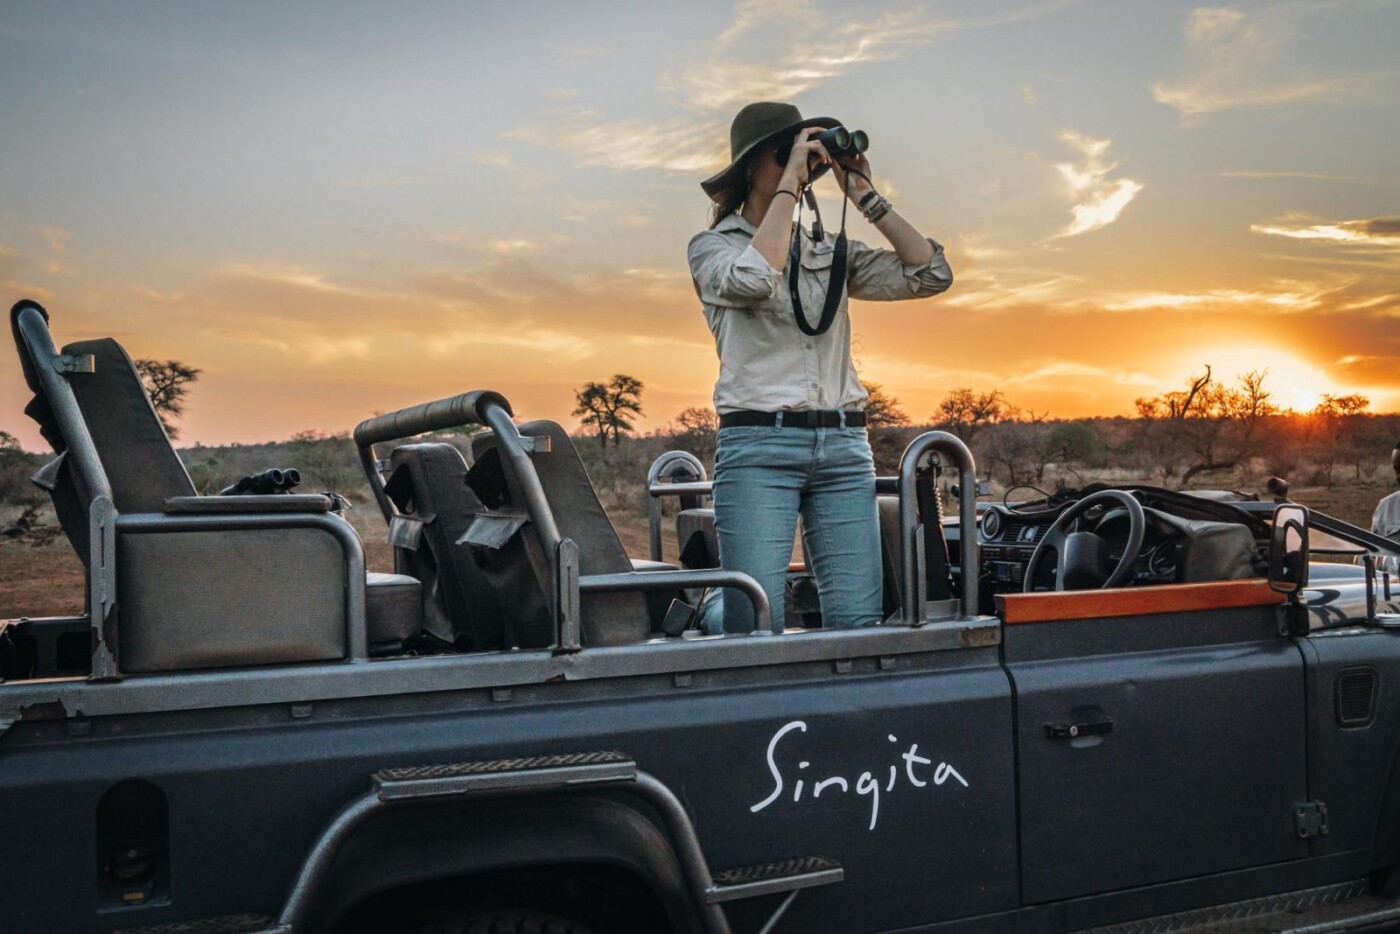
point(966, 771)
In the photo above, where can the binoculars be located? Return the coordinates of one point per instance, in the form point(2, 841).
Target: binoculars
point(839, 142)
point(265, 484)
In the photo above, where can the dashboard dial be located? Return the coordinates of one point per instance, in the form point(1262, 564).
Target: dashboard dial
point(991, 524)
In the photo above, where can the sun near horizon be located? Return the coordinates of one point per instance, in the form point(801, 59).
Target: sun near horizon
point(337, 211)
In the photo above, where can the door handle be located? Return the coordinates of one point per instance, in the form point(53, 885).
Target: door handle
point(1073, 730)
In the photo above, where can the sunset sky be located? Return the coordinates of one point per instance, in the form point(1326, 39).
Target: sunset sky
point(335, 209)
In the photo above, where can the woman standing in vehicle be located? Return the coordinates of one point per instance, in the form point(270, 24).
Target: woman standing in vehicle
point(792, 422)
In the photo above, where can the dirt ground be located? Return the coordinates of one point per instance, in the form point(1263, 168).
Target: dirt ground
point(47, 580)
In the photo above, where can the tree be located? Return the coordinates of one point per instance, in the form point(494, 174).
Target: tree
point(1248, 405)
point(965, 411)
point(697, 430)
point(608, 407)
point(1340, 416)
point(882, 410)
point(1193, 419)
point(167, 382)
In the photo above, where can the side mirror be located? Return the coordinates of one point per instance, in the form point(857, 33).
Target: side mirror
point(1288, 549)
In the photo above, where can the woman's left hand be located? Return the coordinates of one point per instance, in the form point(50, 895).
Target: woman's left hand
point(859, 187)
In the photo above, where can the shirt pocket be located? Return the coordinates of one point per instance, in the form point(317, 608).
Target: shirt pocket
point(818, 262)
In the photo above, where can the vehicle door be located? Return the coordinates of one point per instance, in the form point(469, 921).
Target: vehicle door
point(1158, 740)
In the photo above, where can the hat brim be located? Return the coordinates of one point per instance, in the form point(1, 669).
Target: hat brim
point(716, 185)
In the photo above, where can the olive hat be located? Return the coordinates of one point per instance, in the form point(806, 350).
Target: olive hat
point(754, 125)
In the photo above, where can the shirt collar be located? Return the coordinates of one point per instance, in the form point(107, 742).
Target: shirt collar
point(736, 221)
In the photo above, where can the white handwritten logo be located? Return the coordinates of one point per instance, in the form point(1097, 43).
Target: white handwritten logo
point(867, 785)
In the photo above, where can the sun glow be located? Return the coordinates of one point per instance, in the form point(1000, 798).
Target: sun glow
point(1295, 383)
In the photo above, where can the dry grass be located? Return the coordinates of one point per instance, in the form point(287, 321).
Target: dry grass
point(47, 580)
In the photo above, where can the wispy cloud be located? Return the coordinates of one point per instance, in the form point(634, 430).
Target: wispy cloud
point(1276, 173)
point(677, 144)
point(723, 82)
point(1374, 232)
point(1072, 369)
point(769, 50)
point(1098, 200)
point(57, 239)
point(1232, 54)
point(1285, 296)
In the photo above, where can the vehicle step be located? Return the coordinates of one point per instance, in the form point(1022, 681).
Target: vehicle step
point(225, 924)
point(1329, 909)
point(533, 773)
point(766, 878)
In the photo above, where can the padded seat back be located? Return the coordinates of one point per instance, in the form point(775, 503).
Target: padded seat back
point(607, 619)
point(141, 466)
point(938, 584)
point(471, 559)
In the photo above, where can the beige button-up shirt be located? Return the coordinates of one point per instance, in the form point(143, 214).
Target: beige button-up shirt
point(765, 362)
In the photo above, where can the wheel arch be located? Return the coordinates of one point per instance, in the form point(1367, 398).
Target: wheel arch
point(404, 848)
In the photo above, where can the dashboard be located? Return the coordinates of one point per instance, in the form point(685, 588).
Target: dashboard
point(1008, 537)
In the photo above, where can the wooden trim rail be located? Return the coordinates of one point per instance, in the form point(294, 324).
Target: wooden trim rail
point(1050, 606)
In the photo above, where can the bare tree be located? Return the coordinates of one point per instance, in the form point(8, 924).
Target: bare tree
point(167, 382)
point(965, 411)
point(608, 407)
point(882, 409)
point(697, 430)
point(1193, 419)
point(1340, 418)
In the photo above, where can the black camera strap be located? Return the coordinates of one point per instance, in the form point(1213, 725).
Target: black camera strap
point(836, 285)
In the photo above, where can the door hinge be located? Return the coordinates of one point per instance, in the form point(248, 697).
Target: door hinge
point(1310, 819)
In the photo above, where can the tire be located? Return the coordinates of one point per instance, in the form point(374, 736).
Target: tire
point(511, 921)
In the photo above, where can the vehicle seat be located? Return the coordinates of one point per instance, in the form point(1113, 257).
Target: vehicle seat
point(607, 619)
point(471, 559)
point(938, 584)
point(144, 471)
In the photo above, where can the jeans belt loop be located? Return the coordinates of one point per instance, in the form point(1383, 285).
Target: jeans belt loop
point(843, 418)
point(778, 420)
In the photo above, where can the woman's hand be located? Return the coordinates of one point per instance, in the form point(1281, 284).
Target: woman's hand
point(800, 163)
point(859, 187)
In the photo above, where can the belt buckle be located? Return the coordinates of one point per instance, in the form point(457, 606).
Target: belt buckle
point(811, 419)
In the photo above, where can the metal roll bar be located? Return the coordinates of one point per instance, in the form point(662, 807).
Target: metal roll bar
point(48, 367)
point(911, 532)
point(671, 580)
point(492, 410)
point(664, 467)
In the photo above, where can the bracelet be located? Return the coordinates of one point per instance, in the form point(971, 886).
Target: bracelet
point(784, 191)
point(863, 202)
point(877, 209)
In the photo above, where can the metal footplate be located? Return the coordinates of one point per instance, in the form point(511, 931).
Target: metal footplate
point(786, 875)
point(535, 773)
point(1329, 909)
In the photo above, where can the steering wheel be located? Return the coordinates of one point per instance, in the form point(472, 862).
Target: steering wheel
point(1056, 536)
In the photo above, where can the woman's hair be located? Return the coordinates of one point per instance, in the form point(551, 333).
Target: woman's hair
point(731, 200)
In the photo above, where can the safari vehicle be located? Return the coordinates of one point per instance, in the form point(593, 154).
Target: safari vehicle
point(1191, 725)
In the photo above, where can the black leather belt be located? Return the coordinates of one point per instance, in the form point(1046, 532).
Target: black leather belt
point(820, 418)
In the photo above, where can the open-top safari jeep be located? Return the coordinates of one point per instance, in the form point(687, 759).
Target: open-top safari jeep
point(1137, 710)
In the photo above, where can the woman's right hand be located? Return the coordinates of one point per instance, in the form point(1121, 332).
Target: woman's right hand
point(805, 149)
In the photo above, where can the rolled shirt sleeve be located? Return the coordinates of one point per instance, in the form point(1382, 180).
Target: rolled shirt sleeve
point(880, 275)
point(727, 276)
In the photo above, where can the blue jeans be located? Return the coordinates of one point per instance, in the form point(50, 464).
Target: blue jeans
point(763, 478)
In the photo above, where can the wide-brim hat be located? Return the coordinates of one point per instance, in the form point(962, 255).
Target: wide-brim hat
point(754, 125)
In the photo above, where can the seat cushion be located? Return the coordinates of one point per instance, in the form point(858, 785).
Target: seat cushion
point(393, 609)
